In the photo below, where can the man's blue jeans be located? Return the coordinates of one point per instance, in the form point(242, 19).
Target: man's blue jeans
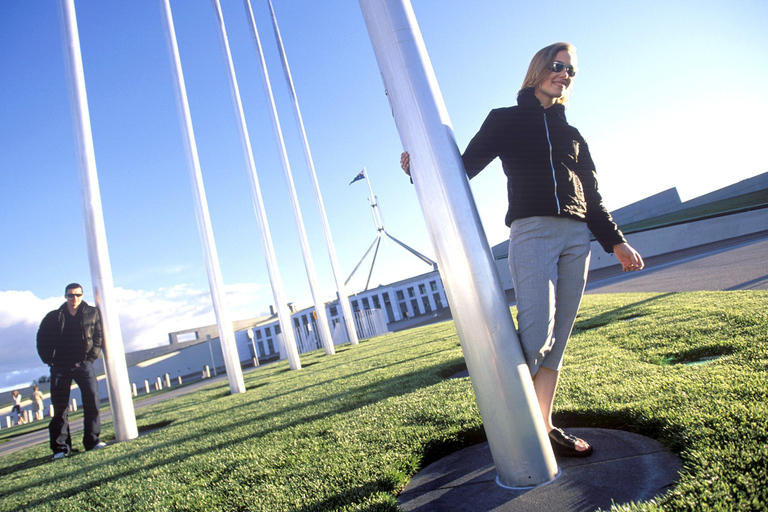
point(61, 381)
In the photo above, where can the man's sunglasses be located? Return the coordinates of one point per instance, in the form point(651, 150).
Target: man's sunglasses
point(72, 295)
point(558, 67)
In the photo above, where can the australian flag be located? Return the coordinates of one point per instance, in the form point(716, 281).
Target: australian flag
point(359, 177)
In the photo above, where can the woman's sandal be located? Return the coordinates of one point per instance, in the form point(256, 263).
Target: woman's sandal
point(565, 444)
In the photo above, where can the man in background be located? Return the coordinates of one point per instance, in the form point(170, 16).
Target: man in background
point(69, 341)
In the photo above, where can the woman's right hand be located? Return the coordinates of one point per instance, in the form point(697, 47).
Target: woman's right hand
point(405, 162)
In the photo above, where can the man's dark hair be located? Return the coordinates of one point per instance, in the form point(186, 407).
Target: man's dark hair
point(71, 286)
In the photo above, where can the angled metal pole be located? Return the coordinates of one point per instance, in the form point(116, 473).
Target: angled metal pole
point(340, 286)
point(373, 262)
point(309, 265)
point(284, 316)
point(375, 242)
point(501, 380)
point(115, 367)
point(413, 251)
point(215, 281)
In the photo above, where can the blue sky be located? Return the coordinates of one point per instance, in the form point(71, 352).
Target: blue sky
point(669, 94)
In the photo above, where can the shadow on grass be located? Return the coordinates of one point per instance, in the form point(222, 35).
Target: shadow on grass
point(332, 405)
point(626, 312)
point(356, 495)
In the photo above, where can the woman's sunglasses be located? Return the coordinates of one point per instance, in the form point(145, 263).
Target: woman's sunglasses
point(558, 67)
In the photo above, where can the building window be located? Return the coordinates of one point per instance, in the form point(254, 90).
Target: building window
point(271, 346)
point(366, 304)
point(258, 335)
point(415, 306)
point(268, 332)
point(425, 301)
point(296, 323)
point(261, 349)
point(400, 295)
point(423, 289)
point(334, 311)
point(355, 306)
point(411, 293)
point(277, 330)
point(433, 285)
point(388, 307)
point(376, 302)
point(438, 300)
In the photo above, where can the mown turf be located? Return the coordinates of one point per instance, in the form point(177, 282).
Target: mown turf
point(348, 431)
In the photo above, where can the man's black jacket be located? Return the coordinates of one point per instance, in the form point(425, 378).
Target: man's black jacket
point(53, 349)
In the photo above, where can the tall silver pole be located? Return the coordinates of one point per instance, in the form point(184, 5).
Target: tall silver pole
point(284, 316)
point(349, 321)
point(215, 281)
point(500, 378)
point(115, 368)
point(309, 265)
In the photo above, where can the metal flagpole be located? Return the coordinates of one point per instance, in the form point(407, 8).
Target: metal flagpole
point(215, 282)
point(309, 265)
point(340, 285)
point(115, 367)
point(501, 380)
point(284, 316)
point(378, 220)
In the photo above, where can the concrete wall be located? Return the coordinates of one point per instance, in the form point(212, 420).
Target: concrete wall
point(682, 236)
point(665, 240)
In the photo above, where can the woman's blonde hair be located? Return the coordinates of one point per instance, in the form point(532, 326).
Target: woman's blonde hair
point(539, 69)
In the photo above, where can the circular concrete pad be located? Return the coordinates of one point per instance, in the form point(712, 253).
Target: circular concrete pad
point(624, 467)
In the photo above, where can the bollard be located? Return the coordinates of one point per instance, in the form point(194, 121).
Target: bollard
point(7, 422)
point(207, 372)
point(28, 416)
point(50, 410)
point(179, 380)
point(134, 392)
point(146, 386)
point(159, 384)
point(74, 405)
point(167, 380)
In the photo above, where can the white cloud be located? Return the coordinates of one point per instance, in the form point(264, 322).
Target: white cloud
point(146, 318)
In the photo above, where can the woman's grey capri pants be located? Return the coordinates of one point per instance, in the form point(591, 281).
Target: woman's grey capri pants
point(548, 260)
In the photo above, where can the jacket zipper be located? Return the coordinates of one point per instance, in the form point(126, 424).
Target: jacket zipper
point(551, 162)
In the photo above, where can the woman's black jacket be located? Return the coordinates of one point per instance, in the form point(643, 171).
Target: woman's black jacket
point(548, 166)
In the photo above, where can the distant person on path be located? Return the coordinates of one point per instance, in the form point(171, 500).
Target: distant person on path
point(16, 409)
point(553, 205)
point(37, 397)
point(69, 341)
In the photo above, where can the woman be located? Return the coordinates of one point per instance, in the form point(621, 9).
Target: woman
point(16, 397)
point(37, 396)
point(553, 204)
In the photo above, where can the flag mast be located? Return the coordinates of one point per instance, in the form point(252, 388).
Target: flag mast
point(115, 367)
point(349, 321)
point(324, 330)
point(378, 220)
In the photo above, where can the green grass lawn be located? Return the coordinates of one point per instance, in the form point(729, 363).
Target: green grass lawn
point(348, 431)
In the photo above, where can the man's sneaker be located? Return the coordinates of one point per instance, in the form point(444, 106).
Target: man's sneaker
point(99, 446)
point(59, 455)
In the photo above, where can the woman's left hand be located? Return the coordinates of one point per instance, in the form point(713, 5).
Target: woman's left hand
point(629, 258)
